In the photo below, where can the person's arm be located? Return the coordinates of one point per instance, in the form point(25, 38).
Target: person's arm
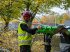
point(24, 27)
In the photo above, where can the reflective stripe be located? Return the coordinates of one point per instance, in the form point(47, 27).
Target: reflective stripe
point(24, 37)
point(21, 34)
point(25, 41)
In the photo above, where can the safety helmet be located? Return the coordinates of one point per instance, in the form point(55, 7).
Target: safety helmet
point(26, 15)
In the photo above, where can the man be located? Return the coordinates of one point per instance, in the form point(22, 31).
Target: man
point(25, 32)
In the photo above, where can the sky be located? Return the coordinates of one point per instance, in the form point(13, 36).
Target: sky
point(58, 10)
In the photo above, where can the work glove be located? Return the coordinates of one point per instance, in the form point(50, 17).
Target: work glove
point(39, 27)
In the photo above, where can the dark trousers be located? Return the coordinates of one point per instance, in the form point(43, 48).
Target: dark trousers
point(25, 48)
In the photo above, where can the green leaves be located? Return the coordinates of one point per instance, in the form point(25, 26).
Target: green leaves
point(10, 8)
point(17, 6)
point(13, 8)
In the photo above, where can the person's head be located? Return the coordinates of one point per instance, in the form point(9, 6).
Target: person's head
point(26, 15)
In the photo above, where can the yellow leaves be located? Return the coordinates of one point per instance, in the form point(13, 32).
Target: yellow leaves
point(10, 8)
point(44, 19)
point(38, 42)
point(35, 21)
point(15, 21)
point(37, 45)
point(62, 21)
point(39, 1)
point(9, 40)
point(16, 4)
point(4, 3)
point(65, 16)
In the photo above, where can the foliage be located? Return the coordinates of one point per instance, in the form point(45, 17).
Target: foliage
point(8, 40)
point(13, 8)
point(10, 9)
point(42, 6)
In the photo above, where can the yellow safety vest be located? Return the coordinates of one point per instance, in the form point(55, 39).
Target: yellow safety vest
point(24, 38)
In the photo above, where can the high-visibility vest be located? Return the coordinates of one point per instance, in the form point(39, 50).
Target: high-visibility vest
point(24, 38)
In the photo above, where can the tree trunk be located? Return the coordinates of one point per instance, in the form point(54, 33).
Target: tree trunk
point(6, 26)
point(34, 12)
point(6, 22)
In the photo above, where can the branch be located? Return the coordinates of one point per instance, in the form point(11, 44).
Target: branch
point(27, 3)
point(35, 11)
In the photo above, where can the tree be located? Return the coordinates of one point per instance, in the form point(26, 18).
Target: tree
point(44, 19)
point(65, 16)
point(42, 6)
point(10, 9)
point(13, 8)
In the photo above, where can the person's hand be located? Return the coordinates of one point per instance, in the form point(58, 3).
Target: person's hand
point(39, 27)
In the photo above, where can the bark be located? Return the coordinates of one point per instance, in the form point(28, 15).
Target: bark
point(6, 26)
point(6, 22)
